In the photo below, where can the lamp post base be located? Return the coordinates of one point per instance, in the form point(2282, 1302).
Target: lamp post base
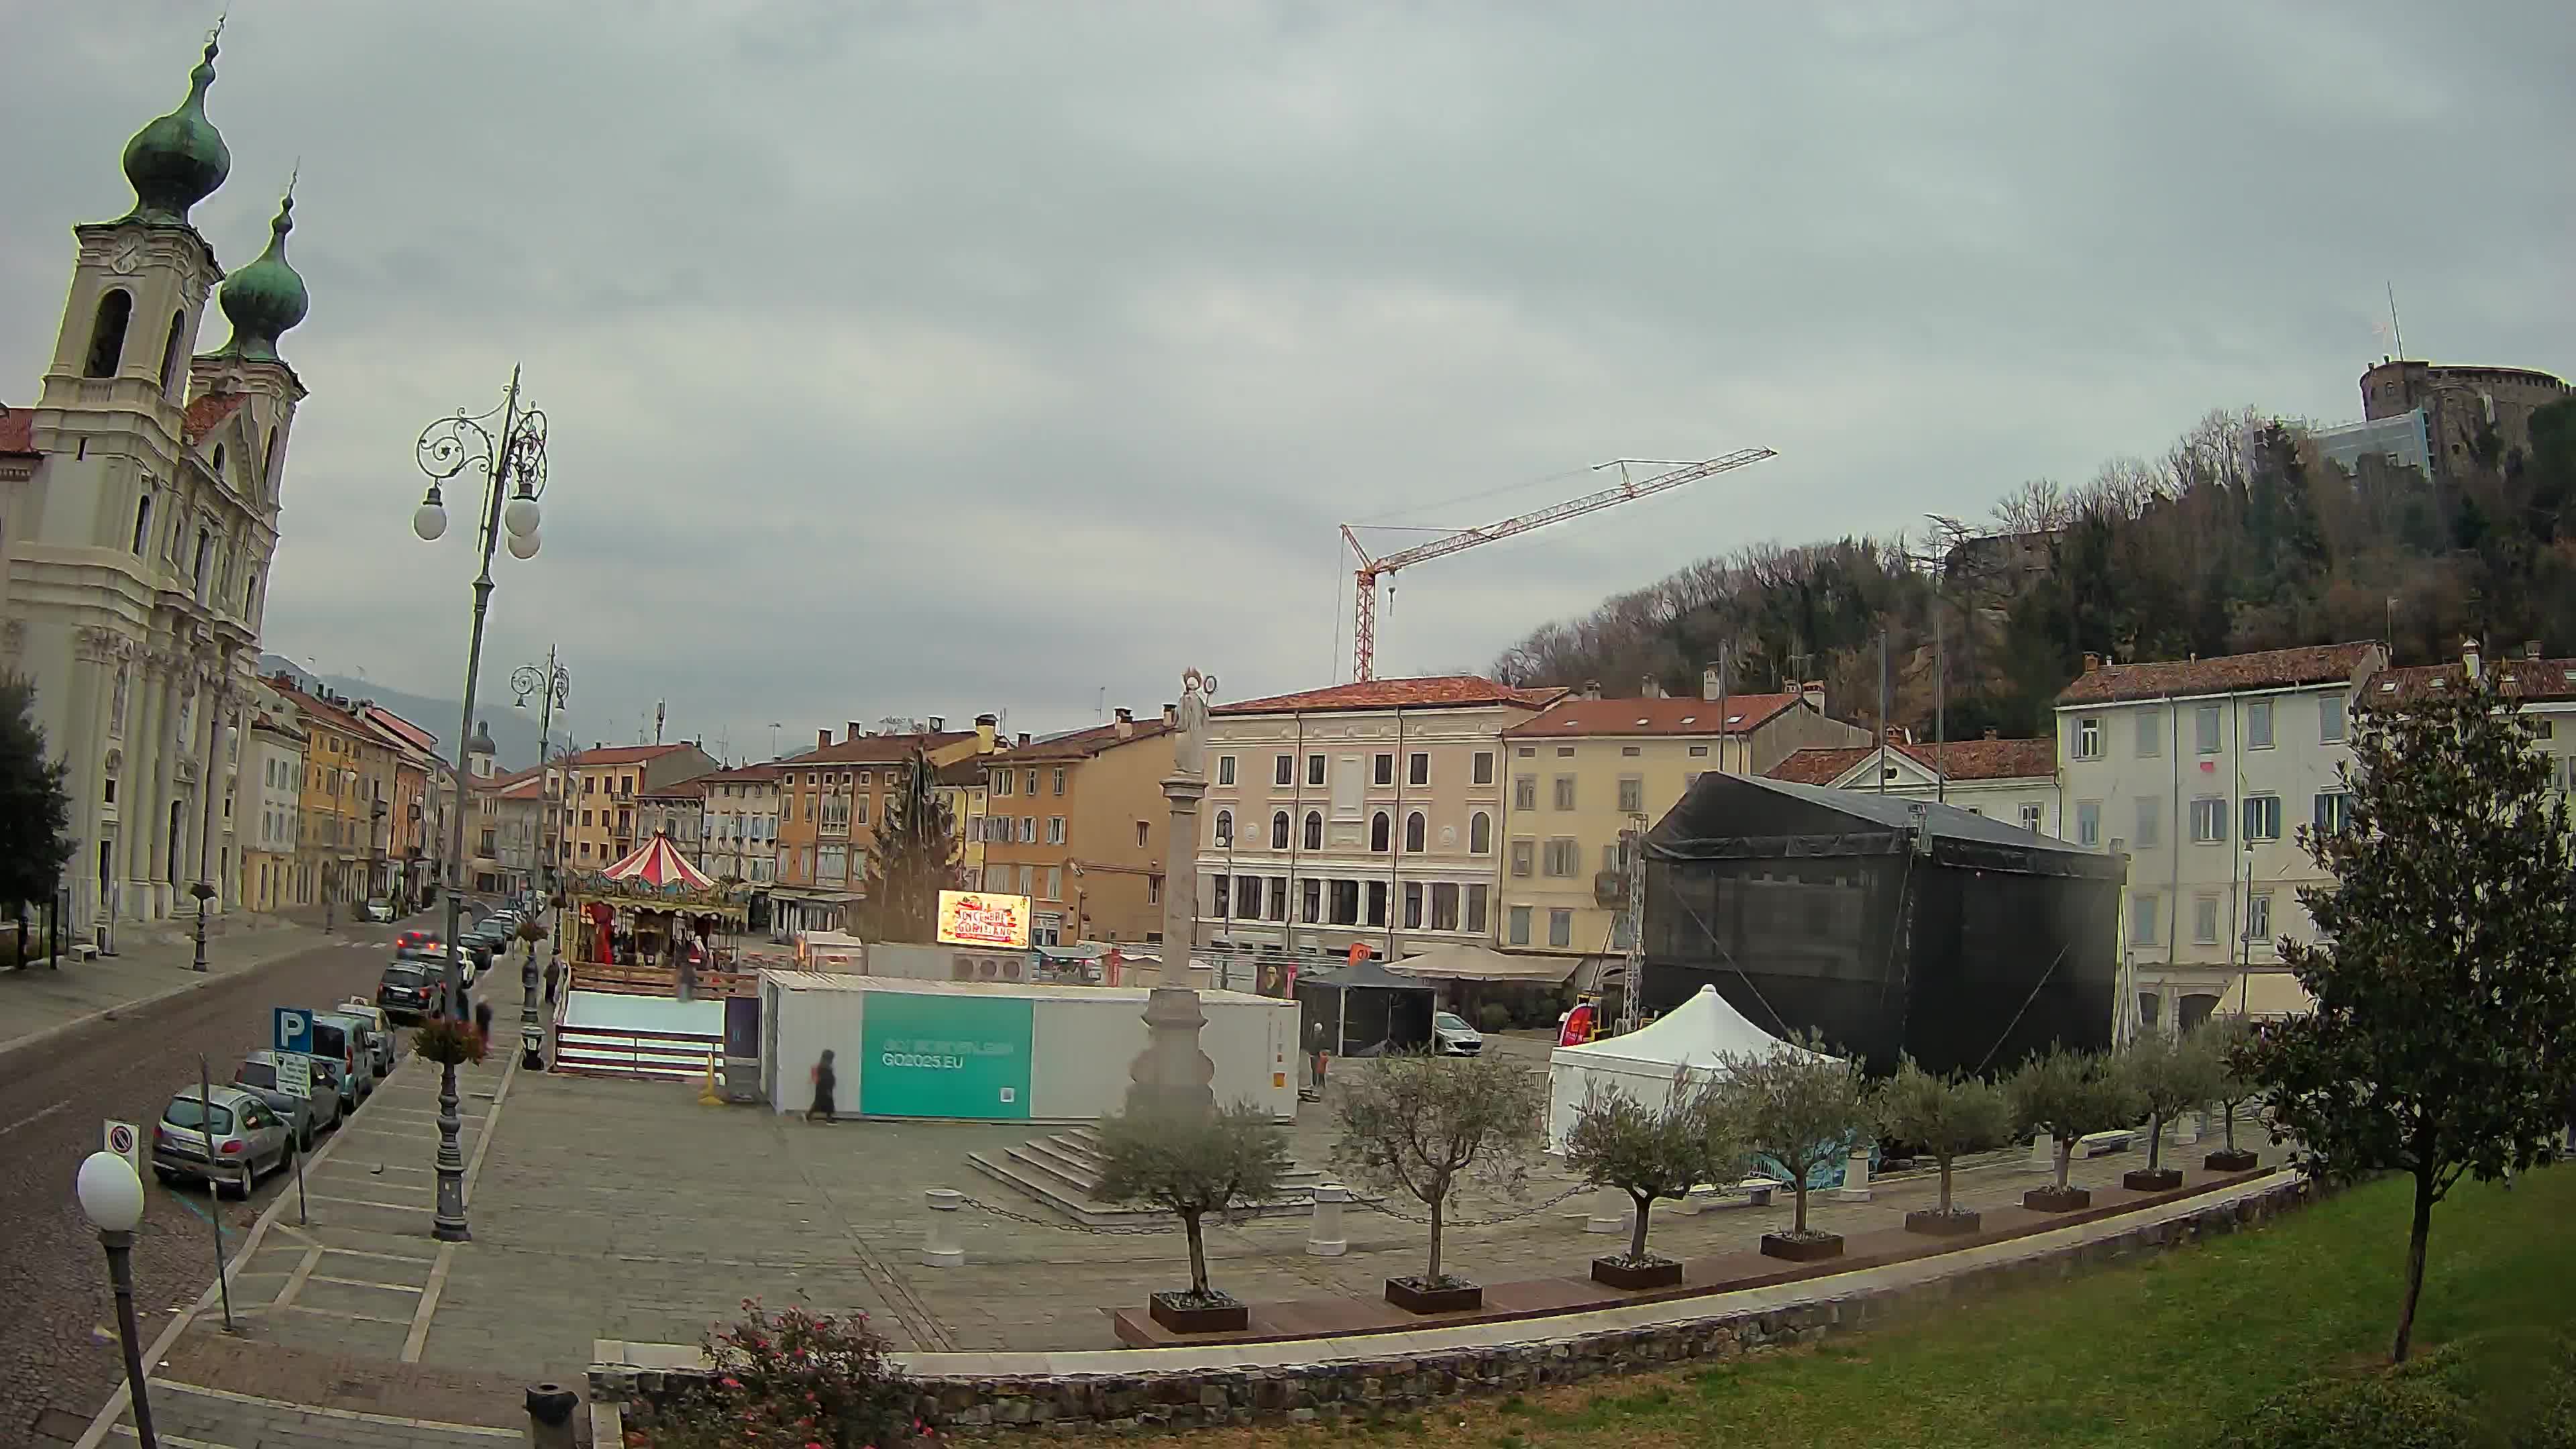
point(449, 1224)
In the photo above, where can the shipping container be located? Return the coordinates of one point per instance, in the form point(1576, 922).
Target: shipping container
point(999, 1051)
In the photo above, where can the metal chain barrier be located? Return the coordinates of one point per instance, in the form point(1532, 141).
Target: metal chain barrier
point(1378, 1205)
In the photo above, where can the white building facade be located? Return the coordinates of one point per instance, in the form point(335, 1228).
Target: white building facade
point(2202, 772)
point(741, 824)
point(1365, 814)
point(138, 539)
point(2009, 780)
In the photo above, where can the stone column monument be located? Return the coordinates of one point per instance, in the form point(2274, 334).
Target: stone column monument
point(1171, 1077)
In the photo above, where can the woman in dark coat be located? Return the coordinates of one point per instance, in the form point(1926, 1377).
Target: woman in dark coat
point(824, 1082)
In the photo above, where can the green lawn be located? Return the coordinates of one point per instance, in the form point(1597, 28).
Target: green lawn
point(2149, 1354)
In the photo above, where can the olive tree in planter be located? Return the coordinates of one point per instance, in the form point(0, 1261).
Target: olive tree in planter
point(2169, 1077)
point(2228, 1041)
point(1800, 1107)
point(1422, 1125)
point(1948, 1117)
point(1651, 1153)
point(2068, 1095)
point(1191, 1167)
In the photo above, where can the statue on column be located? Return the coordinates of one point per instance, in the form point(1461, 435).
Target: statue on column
point(1189, 745)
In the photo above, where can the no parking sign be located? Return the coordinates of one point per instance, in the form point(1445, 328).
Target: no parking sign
point(126, 1141)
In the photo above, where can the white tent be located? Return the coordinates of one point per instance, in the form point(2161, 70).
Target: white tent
point(1694, 1037)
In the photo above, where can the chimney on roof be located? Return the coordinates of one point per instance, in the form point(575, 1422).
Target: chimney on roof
point(1990, 732)
point(2092, 662)
point(1647, 688)
point(2469, 657)
point(1126, 723)
point(1813, 692)
point(939, 724)
point(986, 728)
point(1709, 686)
point(855, 731)
point(1591, 690)
point(2530, 648)
point(822, 739)
point(1024, 739)
point(1171, 716)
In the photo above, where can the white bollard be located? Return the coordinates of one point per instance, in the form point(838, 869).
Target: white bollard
point(2186, 1129)
point(939, 1245)
point(1325, 1237)
point(2043, 1152)
point(1855, 1186)
point(1611, 1210)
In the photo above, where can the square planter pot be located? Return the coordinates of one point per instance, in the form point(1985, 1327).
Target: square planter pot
point(1184, 1313)
point(1653, 1273)
point(1957, 1224)
point(1802, 1250)
point(2151, 1179)
point(1415, 1296)
point(2056, 1199)
point(2239, 1160)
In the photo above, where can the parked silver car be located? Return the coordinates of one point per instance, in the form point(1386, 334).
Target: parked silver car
point(249, 1139)
point(312, 1116)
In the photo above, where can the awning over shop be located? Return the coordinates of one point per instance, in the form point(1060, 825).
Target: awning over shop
point(1469, 962)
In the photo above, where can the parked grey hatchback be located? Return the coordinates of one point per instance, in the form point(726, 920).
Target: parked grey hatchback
point(248, 1139)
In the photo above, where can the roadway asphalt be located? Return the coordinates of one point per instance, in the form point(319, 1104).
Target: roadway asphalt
point(58, 1350)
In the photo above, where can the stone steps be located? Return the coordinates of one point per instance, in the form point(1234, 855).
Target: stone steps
point(1062, 1171)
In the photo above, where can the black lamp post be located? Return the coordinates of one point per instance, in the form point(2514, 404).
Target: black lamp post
point(111, 1197)
point(513, 464)
point(553, 686)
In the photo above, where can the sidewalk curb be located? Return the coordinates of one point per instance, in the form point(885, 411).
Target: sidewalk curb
point(194, 982)
point(104, 1422)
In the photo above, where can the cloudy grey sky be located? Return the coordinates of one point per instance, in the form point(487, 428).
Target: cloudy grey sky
point(925, 358)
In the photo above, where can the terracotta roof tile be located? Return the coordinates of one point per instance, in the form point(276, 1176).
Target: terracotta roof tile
point(2537, 679)
point(761, 774)
point(1451, 691)
point(623, 754)
point(2183, 678)
point(1083, 744)
point(1958, 760)
point(17, 430)
point(1571, 717)
point(694, 788)
point(208, 412)
point(877, 749)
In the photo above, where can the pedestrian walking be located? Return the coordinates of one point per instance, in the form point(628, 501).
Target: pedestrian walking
point(554, 977)
point(483, 1022)
point(824, 1082)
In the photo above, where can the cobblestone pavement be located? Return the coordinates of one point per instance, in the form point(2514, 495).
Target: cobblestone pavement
point(59, 1357)
point(629, 1211)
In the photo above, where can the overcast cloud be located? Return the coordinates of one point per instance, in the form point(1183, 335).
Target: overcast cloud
point(927, 358)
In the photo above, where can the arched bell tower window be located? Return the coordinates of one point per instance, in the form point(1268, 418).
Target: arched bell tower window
point(219, 465)
point(107, 334)
point(268, 465)
point(170, 352)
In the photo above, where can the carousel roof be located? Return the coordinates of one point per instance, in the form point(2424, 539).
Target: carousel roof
point(656, 863)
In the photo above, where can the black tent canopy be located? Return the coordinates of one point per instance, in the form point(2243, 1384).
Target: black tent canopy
point(1890, 925)
point(1362, 1010)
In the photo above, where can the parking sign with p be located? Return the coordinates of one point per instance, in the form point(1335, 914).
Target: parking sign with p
point(293, 1029)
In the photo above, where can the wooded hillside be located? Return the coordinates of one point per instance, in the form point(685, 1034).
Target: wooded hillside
point(2238, 538)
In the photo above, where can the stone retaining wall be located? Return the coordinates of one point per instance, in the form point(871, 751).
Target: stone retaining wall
point(1359, 1387)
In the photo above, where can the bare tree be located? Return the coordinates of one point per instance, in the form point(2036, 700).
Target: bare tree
point(1421, 1125)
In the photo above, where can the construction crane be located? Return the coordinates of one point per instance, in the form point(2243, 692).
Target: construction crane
point(1364, 617)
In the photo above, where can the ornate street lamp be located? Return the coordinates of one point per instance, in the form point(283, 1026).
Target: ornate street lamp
point(554, 684)
point(111, 1197)
point(513, 464)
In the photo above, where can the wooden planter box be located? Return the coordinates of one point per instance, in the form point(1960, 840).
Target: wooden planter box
point(2056, 1199)
point(2151, 1179)
point(1934, 1222)
point(2239, 1160)
point(1621, 1273)
point(1181, 1313)
point(1802, 1250)
point(1415, 1296)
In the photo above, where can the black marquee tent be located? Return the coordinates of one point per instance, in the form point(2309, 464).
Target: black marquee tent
point(1362, 1010)
point(1890, 925)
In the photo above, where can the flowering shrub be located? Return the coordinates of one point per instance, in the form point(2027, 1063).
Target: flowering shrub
point(447, 1042)
point(793, 1380)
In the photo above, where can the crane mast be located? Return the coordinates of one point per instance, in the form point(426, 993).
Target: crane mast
point(1364, 609)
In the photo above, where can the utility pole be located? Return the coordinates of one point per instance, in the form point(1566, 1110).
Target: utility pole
point(1940, 708)
point(1882, 711)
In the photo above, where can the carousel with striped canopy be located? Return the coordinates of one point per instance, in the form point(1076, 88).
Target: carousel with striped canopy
point(653, 914)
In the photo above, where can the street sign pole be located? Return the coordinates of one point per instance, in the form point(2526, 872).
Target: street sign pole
point(295, 1078)
point(214, 1196)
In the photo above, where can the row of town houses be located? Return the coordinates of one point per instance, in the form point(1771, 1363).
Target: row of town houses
point(1402, 815)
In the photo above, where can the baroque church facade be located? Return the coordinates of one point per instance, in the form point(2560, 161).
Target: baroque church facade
point(138, 522)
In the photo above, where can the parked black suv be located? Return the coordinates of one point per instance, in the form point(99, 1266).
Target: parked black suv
point(409, 990)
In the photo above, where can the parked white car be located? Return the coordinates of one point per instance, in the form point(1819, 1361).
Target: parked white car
point(1451, 1036)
